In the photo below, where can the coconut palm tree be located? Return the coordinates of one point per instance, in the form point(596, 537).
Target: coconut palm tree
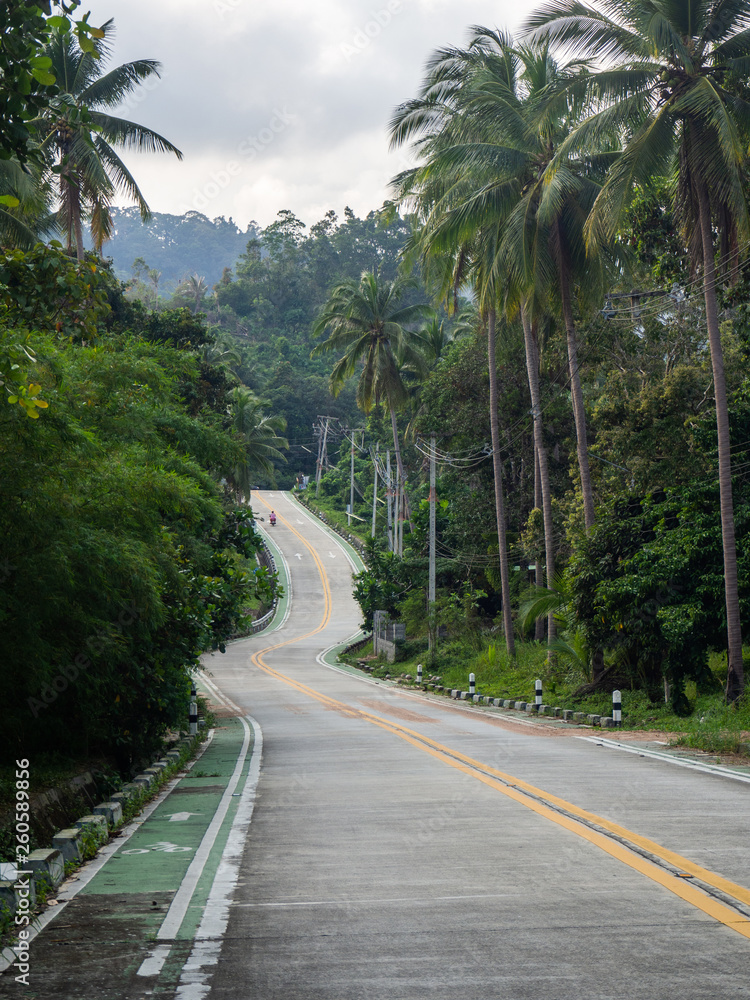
point(507, 119)
point(260, 435)
point(435, 338)
point(79, 135)
point(455, 247)
point(674, 83)
point(367, 321)
point(26, 214)
point(487, 123)
point(221, 353)
point(191, 290)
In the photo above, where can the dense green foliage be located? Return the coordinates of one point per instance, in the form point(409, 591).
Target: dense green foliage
point(269, 304)
point(543, 191)
point(123, 557)
point(26, 81)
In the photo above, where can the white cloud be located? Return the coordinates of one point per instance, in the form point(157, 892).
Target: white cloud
point(232, 68)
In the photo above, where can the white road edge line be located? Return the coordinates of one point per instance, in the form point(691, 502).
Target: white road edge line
point(204, 957)
point(153, 963)
point(288, 582)
point(694, 765)
point(69, 891)
point(219, 695)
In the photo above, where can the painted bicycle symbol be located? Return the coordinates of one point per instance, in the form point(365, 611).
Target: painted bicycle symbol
point(162, 845)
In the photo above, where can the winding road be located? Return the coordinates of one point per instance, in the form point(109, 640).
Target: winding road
point(406, 847)
point(342, 839)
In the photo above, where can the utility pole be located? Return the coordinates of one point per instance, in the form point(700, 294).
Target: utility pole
point(317, 431)
point(431, 584)
point(375, 490)
point(401, 505)
point(397, 517)
point(351, 486)
point(322, 452)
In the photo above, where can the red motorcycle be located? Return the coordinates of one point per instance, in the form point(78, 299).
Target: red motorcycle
point(272, 518)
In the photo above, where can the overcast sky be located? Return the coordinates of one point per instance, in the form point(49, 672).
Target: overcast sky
point(280, 103)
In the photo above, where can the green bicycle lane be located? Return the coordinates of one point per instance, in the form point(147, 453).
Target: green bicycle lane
point(132, 926)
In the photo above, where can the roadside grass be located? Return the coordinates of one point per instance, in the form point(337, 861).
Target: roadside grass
point(334, 516)
point(711, 726)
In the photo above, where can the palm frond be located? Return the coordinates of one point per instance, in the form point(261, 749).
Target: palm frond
point(131, 135)
point(112, 88)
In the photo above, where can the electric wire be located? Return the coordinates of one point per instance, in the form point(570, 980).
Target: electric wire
point(679, 294)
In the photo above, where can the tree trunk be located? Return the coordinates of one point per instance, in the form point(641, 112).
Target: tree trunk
point(538, 572)
point(499, 503)
point(400, 467)
point(579, 413)
point(71, 198)
point(77, 225)
point(735, 669)
point(532, 369)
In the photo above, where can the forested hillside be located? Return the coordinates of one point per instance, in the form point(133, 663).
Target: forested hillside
point(268, 305)
point(175, 246)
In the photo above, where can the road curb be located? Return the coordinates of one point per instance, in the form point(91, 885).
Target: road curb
point(47, 863)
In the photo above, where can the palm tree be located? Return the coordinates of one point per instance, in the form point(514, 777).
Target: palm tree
point(260, 436)
point(677, 92)
point(367, 321)
point(192, 290)
point(25, 205)
point(78, 134)
point(435, 338)
point(488, 121)
point(221, 353)
point(447, 265)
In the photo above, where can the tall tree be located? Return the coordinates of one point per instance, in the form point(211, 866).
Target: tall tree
point(677, 91)
point(367, 320)
point(191, 291)
point(487, 124)
point(79, 135)
point(260, 435)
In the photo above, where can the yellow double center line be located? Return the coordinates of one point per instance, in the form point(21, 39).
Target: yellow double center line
point(615, 840)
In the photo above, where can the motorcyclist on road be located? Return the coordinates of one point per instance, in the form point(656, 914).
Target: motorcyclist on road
point(272, 518)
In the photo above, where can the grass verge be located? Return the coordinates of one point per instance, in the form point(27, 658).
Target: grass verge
point(711, 726)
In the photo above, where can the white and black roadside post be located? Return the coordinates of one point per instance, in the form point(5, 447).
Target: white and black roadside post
point(617, 708)
point(472, 684)
point(193, 718)
point(419, 673)
point(538, 692)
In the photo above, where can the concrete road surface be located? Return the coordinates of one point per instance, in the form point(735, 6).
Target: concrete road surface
point(344, 840)
point(392, 853)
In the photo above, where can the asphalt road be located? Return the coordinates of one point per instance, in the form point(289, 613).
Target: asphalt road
point(404, 848)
